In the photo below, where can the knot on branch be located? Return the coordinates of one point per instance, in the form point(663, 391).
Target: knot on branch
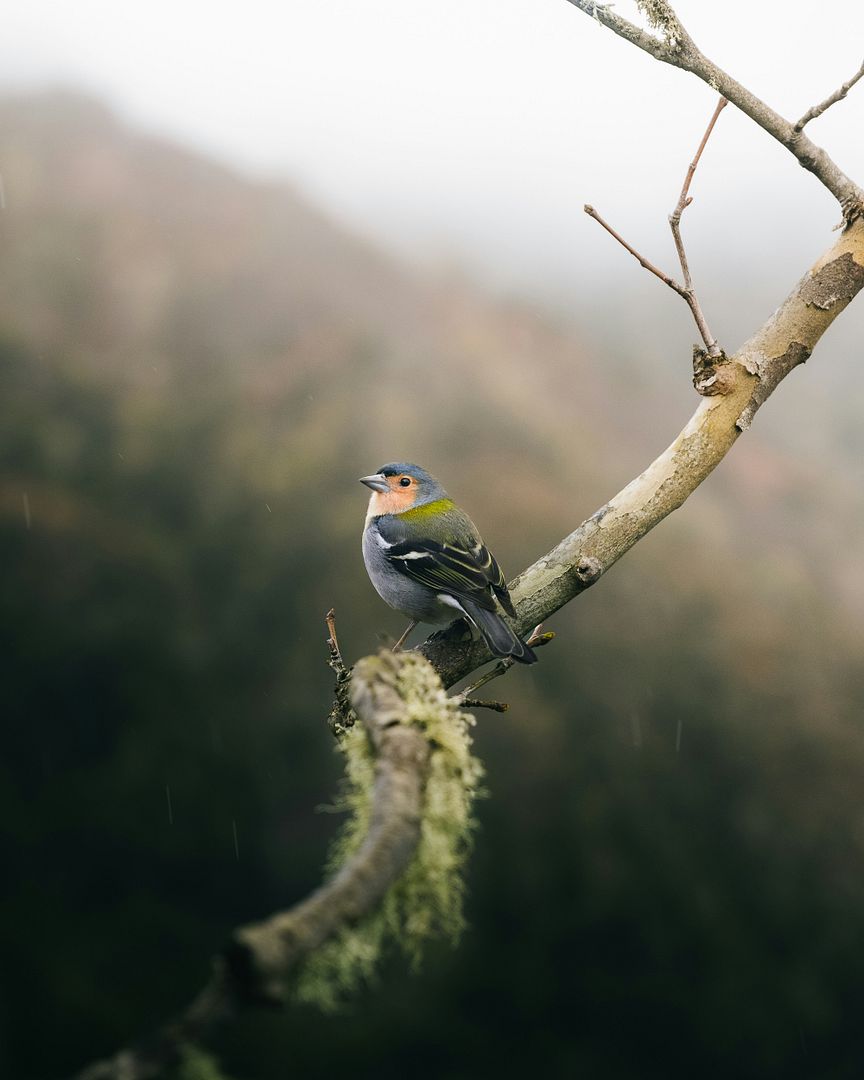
point(712, 375)
point(853, 210)
point(588, 569)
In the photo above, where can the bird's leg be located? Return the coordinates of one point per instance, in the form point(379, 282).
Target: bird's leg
point(401, 640)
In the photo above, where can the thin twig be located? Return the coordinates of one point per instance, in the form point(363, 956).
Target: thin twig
point(478, 703)
point(677, 48)
point(501, 668)
point(671, 282)
point(685, 291)
point(838, 95)
point(336, 662)
point(535, 640)
point(684, 201)
point(341, 715)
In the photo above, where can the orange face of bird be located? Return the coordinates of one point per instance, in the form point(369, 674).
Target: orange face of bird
point(390, 494)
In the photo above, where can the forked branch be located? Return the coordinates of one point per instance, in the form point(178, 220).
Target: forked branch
point(536, 640)
point(676, 47)
point(685, 291)
point(832, 99)
point(684, 200)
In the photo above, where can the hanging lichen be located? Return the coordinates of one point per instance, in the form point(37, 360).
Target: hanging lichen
point(427, 901)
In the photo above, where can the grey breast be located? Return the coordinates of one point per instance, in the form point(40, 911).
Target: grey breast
point(394, 587)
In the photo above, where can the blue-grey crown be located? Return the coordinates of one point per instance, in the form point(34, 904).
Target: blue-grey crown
point(429, 487)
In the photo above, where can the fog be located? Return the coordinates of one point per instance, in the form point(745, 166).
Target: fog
point(470, 134)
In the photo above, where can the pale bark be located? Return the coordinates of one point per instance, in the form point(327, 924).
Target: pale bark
point(738, 387)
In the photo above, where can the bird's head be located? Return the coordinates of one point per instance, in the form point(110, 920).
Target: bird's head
point(401, 486)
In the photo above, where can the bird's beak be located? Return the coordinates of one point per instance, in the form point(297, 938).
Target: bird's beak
point(377, 481)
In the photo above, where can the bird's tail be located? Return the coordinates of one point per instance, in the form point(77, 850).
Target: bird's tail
point(502, 641)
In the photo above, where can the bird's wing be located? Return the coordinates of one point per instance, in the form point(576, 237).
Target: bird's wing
point(456, 562)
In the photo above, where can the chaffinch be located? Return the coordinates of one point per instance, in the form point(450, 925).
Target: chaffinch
point(425, 558)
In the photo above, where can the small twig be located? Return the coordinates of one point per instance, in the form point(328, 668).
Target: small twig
point(536, 640)
point(677, 48)
point(685, 291)
point(501, 668)
point(336, 662)
point(838, 95)
point(591, 212)
point(684, 201)
point(477, 703)
point(341, 715)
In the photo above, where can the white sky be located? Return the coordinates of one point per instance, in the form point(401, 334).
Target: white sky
point(472, 131)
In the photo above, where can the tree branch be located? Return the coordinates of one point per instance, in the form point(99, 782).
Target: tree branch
point(388, 693)
point(341, 716)
point(684, 201)
point(677, 48)
point(743, 383)
point(685, 291)
point(838, 95)
point(656, 271)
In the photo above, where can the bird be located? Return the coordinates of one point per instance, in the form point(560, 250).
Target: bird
point(425, 558)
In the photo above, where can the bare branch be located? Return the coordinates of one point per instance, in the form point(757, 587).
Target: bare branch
point(838, 95)
point(536, 640)
point(341, 715)
point(671, 282)
point(336, 662)
point(479, 703)
point(684, 201)
point(678, 49)
point(750, 375)
point(685, 291)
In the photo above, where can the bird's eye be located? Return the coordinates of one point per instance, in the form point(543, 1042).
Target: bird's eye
point(405, 481)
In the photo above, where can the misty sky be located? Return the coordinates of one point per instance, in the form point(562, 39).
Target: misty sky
point(472, 131)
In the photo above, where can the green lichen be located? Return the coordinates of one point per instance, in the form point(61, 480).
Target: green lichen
point(661, 17)
point(427, 901)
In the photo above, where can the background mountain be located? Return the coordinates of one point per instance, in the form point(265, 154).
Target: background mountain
point(195, 369)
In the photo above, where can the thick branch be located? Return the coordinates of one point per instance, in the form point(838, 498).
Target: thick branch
point(266, 952)
point(749, 377)
point(678, 49)
point(385, 691)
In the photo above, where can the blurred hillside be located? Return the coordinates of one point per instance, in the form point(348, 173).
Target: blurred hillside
point(196, 367)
